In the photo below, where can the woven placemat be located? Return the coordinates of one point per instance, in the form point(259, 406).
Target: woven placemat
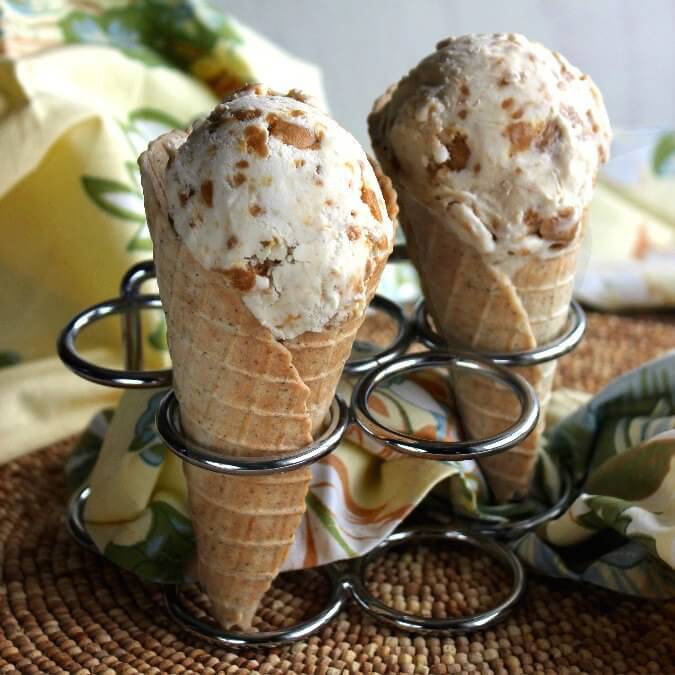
point(613, 345)
point(63, 609)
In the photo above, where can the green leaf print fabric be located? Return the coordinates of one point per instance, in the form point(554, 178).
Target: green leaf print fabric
point(619, 532)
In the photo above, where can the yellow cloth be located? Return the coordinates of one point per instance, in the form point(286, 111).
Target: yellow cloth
point(73, 119)
point(628, 260)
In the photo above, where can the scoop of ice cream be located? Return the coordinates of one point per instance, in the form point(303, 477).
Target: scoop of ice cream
point(500, 137)
point(278, 196)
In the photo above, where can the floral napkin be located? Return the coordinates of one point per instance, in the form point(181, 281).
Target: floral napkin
point(137, 511)
point(619, 447)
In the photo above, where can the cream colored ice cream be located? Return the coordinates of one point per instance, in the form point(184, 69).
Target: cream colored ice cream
point(498, 135)
point(278, 196)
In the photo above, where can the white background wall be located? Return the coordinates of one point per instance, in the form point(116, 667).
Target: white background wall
point(627, 46)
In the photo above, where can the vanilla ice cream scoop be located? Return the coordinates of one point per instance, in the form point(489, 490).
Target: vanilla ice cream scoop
point(275, 194)
point(498, 136)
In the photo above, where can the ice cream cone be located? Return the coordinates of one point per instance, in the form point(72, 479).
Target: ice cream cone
point(241, 392)
point(484, 306)
point(494, 143)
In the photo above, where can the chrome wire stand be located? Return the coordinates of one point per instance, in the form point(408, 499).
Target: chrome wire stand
point(347, 579)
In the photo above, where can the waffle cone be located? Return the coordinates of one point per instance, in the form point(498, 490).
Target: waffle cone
point(241, 392)
point(504, 307)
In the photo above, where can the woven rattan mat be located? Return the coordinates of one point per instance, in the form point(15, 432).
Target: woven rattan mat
point(65, 610)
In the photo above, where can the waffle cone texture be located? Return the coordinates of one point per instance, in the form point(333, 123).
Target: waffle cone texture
point(511, 306)
point(241, 392)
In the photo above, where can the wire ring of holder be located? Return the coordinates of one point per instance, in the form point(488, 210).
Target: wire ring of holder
point(548, 352)
point(504, 530)
point(419, 624)
point(512, 529)
point(75, 519)
point(168, 426)
point(441, 450)
point(135, 276)
point(396, 348)
point(275, 638)
point(109, 377)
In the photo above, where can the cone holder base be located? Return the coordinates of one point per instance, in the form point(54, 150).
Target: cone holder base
point(347, 579)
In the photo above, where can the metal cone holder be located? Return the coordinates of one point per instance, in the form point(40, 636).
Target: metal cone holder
point(347, 579)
